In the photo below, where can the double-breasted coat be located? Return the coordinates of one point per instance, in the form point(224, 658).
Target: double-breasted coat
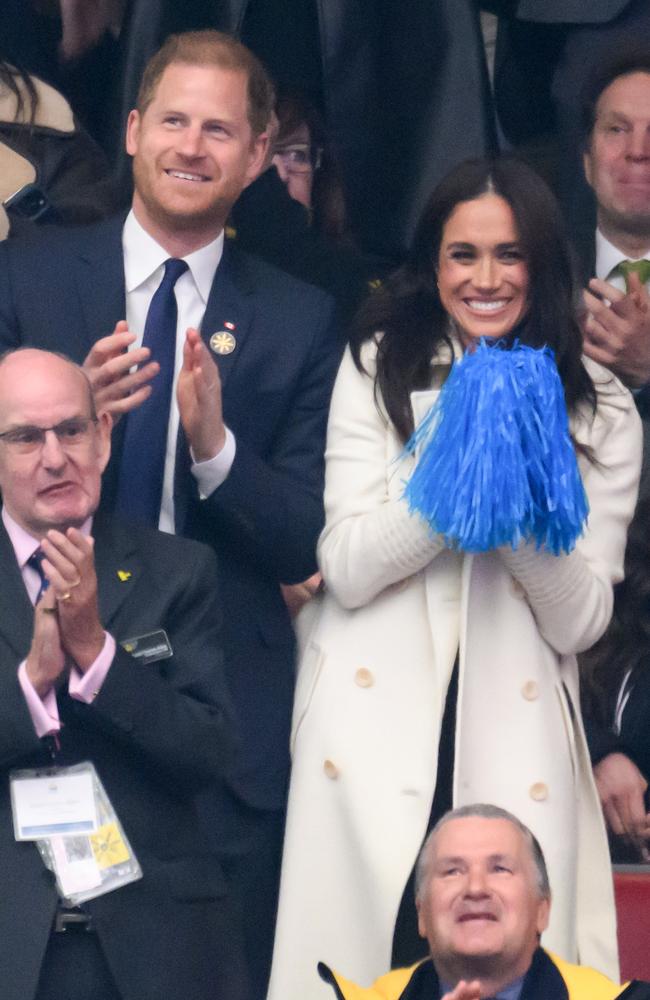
point(373, 678)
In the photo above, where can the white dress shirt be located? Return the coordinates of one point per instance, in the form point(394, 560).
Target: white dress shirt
point(143, 271)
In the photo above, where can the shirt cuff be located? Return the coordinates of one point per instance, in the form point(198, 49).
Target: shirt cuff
point(86, 687)
point(44, 711)
point(211, 474)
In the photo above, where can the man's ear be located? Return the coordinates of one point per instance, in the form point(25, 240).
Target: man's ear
point(132, 132)
point(259, 159)
point(586, 166)
point(421, 928)
point(543, 915)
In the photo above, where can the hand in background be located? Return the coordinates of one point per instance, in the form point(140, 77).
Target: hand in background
point(621, 788)
point(296, 595)
point(618, 335)
point(465, 991)
point(116, 388)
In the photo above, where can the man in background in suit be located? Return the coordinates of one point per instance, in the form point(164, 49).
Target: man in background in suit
point(250, 392)
point(617, 167)
point(76, 591)
point(616, 159)
point(546, 51)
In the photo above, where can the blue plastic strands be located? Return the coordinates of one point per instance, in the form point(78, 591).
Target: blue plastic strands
point(496, 463)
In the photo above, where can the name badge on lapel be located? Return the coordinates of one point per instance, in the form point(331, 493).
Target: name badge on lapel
point(150, 647)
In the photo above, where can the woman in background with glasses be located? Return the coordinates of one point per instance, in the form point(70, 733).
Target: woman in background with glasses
point(294, 215)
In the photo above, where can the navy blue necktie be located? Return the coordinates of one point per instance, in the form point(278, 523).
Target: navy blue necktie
point(36, 562)
point(142, 466)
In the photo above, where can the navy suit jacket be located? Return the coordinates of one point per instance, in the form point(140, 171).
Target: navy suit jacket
point(560, 11)
point(66, 290)
point(157, 734)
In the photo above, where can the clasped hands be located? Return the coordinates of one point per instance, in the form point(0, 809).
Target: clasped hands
point(67, 628)
point(618, 335)
point(118, 387)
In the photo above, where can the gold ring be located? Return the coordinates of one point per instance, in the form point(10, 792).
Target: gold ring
point(64, 597)
point(48, 611)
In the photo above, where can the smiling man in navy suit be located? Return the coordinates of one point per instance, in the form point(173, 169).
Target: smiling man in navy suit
point(249, 373)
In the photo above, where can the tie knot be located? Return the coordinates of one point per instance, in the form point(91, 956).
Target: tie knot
point(35, 561)
point(628, 267)
point(173, 270)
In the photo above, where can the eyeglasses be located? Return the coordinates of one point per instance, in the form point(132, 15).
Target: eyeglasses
point(300, 158)
point(69, 433)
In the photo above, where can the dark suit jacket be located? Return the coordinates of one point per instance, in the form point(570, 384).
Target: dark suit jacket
point(559, 11)
point(66, 290)
point(157, 734)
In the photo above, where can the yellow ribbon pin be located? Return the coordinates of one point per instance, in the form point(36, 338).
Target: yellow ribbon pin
point(124, 574)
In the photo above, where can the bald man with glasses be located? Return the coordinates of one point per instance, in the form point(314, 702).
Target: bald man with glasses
point(110, 658)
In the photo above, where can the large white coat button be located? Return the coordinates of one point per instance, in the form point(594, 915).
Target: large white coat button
point(530, 691)
point(539, 791)
point(364, 678)
point(331, 770)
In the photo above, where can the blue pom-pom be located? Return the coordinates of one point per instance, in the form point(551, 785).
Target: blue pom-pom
point(496, 463)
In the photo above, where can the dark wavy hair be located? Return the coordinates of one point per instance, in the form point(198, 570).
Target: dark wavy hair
point(626, 643)
point(412, 320)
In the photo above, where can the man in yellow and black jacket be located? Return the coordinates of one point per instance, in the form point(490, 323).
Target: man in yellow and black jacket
point(483, 900)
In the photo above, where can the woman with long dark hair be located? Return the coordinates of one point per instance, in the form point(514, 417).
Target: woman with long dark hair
point(432, 675)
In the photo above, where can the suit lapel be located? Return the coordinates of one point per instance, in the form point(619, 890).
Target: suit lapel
point(229, 308)
point(16, 620)
point(118, 567)
point(99, 275)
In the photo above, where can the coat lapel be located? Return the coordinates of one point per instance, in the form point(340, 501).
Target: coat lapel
point(99, 275)
point(229, 308)
point(117, 565)
point(16, 620)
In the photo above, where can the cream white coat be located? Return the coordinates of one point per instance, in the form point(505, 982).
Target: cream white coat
point(371, 688)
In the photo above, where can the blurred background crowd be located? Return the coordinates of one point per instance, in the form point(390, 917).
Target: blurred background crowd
point(376, 102)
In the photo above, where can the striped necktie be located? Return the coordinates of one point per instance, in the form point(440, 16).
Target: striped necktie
point(36, 563)
point(628, 267)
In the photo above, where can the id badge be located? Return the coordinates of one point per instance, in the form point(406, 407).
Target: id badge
point(53, 802)
point(77, 832)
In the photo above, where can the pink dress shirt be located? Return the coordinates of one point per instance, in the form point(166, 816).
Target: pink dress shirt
point(83, 687)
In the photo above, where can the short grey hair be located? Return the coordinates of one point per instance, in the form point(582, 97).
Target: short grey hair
point(484, 811)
